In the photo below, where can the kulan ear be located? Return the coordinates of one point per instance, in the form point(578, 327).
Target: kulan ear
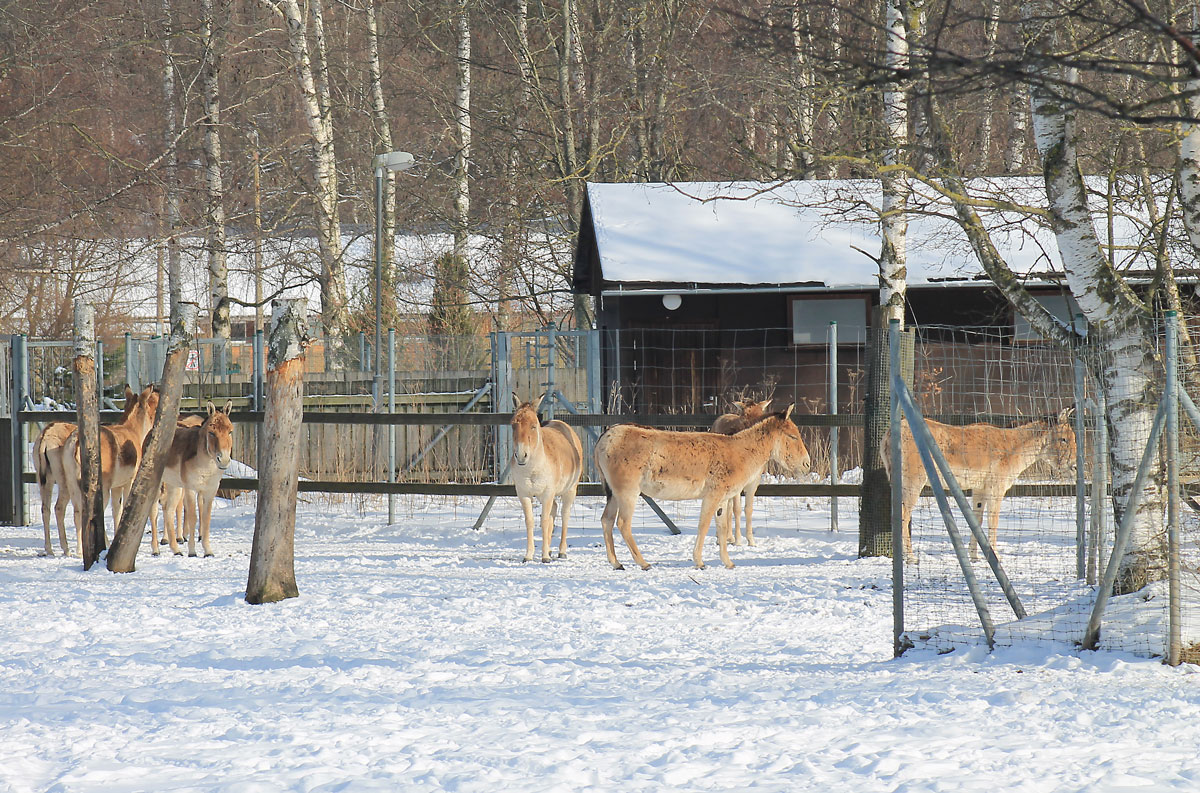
point(228, 407)
point(516, 400)
point(766, 403)
point(210, 407)
point(787, 414)
point(538, 402)
point(1065, 415)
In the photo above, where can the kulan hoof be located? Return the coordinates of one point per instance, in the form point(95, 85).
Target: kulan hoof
point(179, 553)
point(545, 560)
point(191, 554)
point(209, 555)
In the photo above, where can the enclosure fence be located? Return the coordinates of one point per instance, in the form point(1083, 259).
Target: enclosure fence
point(1087, 565)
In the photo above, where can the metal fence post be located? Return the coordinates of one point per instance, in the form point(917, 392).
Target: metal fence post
point(595, 396)
point(20, 434)
point(833, 430)
point(1174, 629)
point(502, 397)
point(551, 358)
point(1080, 479)
point(1100, 482)
point(131, 369)
point(256, 370)
point(896, 463)
point(391, 352)
point(100, 370)
point(259, 367)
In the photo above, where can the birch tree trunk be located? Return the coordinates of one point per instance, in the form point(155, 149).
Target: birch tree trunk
point(218, 271)
point(272, 556)
point(875, 505)
point(803, 78)
point(462, 119)
point(314, 97)
point(893, 257)
point(1120, 324)
point(570, 153)
point(174, 281)
point(144, 490)
point(513, 243)
point(87, 412)
point(383, 130)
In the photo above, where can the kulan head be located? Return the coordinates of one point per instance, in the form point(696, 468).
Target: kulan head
point(790, 451)
point(216, 435)
point(1060, 441)
point(526, 429)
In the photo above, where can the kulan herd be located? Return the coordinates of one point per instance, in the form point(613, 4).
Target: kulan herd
point(200, 452)
point(718, 468)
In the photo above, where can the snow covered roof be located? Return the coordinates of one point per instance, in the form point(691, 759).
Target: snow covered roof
point(805, 234)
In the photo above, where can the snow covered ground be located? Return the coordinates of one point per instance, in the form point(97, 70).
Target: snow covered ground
point(425, 656)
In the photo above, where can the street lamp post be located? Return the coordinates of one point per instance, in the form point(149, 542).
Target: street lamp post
point(389, 161)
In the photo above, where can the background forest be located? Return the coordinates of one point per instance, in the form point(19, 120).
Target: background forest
point(217, 129)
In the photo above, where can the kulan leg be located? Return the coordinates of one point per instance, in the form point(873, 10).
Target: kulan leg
point(734, 508)
point(171, 519)
point(977, 511)
point(607, 519)
point(568, 500)
point(46, 488)
point(190, 520)
point(748, 512)
point(625, 522)
point(527, 508)
point(60, 517)
point(708, 508)
point(908, 503)
point(548, 514)
point(204, 503)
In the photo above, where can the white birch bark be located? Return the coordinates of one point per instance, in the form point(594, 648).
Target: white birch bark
point(318, 117)
point(462, 119)
point(174, 280)
point(991, 30)
point(1189, 160)
point(1118, 320)
point(893, 257)
point(803, 77)
point(218, 272)
point(383, 129)
point(1014, 152)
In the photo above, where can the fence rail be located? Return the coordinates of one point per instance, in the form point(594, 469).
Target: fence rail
point(501, 419)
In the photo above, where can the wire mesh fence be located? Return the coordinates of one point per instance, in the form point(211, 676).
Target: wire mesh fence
point(1054, 545)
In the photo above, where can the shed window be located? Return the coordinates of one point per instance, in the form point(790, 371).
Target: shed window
point(811, 317)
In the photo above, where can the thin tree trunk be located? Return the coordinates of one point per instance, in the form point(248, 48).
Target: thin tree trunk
point(87, 402)
point(318, 116)
point(383, 130)
point(803, 77)
point(272, 556)
point(462, 118)
point(893, 257)
point(513, 243)
point(218, 271)
point(174, 282)
point(144, 490)
point(991, 29)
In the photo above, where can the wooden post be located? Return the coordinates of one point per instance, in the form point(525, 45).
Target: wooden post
point(87, 402)
point(272, 569)
point(144, 490)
